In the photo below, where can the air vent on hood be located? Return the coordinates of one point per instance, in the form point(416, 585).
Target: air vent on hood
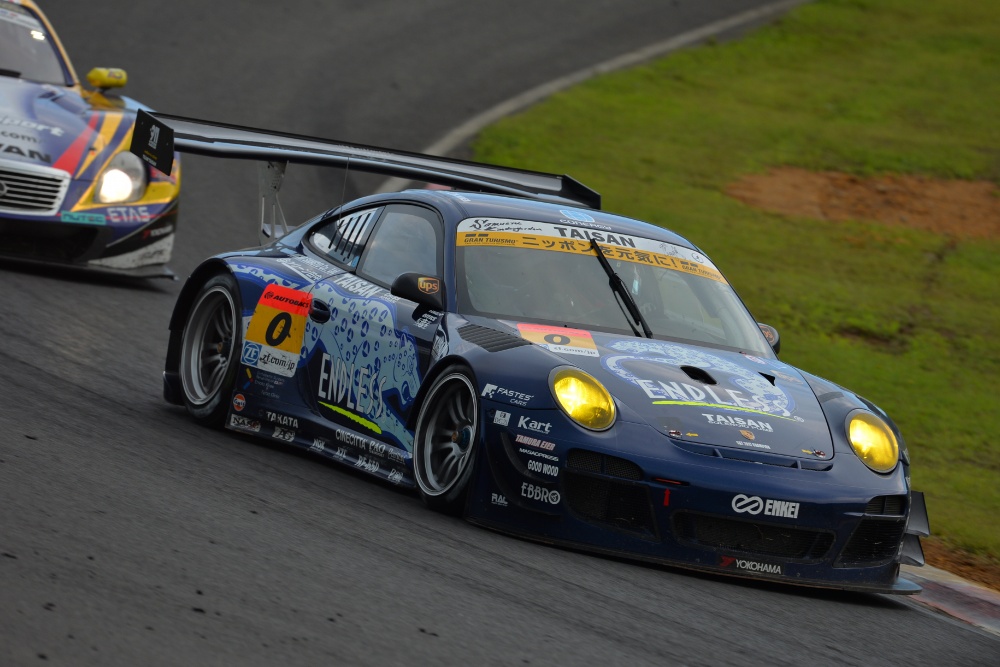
point(490, 340)
point(699, 374)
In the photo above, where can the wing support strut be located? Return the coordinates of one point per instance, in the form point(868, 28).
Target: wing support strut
point(272, 218)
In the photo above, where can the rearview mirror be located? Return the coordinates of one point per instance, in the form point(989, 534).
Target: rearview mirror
point(771, 334)
point(103, 78)
point(425, 290)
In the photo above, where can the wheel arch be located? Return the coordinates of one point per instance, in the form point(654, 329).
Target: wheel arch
point(194, 283)
point(433, 373)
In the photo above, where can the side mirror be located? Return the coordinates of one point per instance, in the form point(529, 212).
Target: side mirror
point(771, 334)
point(103, 78)
point(424, 290)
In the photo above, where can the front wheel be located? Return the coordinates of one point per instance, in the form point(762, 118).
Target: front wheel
point(446, 441)
point(211, 338)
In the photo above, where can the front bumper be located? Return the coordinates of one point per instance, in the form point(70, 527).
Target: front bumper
point(821, 528)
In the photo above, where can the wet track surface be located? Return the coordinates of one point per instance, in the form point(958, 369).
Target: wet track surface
point(128, 535)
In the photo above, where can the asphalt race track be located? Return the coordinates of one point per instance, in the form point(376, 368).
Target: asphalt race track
point(129, 536)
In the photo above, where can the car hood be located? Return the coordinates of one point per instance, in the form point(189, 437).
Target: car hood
point(39, 123)
point(699, 394)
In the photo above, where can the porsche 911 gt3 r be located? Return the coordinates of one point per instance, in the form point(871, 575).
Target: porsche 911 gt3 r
point(539, 366)
point(70, 191)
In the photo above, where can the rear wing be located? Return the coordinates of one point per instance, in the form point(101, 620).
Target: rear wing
point(158, 135)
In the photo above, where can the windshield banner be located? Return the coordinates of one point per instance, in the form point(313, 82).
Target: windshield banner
point(494, 232)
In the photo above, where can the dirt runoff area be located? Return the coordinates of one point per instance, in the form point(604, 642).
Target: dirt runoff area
point(960, 209)
point(963, 209)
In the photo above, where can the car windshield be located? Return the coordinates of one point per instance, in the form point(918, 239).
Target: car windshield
point(523, 270)
point(26, 50)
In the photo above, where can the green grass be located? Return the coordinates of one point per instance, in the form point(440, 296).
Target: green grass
point(909, 319)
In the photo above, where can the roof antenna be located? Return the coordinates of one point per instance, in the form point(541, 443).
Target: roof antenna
point(343, 191)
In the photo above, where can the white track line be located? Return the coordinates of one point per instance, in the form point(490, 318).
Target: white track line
point(474, 125)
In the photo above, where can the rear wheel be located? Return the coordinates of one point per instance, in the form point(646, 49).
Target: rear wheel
point(446, 441)
point(212, 335)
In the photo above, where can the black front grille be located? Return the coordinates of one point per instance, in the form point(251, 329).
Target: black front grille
point(886, 505)
point(874, 542)
point(45, 241)
point(620, 505)
point(588, 461)
point(751, 538)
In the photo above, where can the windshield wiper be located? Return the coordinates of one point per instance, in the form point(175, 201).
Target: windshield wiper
point(9, 72)
point(617, 286)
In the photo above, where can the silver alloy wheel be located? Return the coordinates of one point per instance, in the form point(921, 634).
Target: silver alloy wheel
point(446, 432)
point(207, 346)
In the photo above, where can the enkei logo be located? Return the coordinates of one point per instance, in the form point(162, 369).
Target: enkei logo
point(750, 504)
point(755, 505)
point(539, 493)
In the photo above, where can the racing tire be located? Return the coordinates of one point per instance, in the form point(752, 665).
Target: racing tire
point(446, 441)
point(209, 344)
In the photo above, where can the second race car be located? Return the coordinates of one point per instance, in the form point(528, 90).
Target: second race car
point(70, 191)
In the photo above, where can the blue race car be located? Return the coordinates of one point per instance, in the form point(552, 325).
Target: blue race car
point(521, 358)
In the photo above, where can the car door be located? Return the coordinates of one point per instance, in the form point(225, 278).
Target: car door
point(369, 359)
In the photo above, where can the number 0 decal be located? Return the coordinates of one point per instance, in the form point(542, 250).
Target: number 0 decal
point(559, 339)
point(279, 329)
point(279, 320)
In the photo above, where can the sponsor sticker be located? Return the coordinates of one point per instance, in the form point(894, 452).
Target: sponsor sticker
point(277, 327)
point(493, 392)
point(571, 239)
point(755, 505)
point(540, 493)
point(532, 452)
point(562, 340)
point(534, 442)
point(501, 418)
point(240, 423)
point(239, 402)
point(428, 285)
point(283, 434)
point(83, 218)
point(534, 425)
point(750, 565)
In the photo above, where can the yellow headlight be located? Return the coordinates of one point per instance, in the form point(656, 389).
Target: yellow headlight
point(873, 441)
point(583, 399)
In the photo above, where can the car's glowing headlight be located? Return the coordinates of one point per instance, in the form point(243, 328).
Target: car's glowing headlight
point(124, 179)
point(873, 441)
point(583, 399)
